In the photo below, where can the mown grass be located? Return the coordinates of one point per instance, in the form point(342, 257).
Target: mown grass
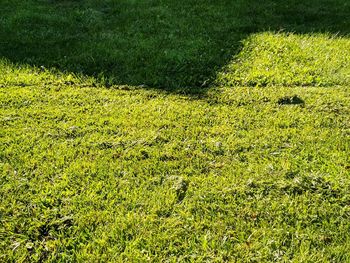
point(160, 43)
point(289, 60)
point(236, 150)
point(128, 174)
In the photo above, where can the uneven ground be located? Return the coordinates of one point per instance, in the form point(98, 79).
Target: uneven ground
point(240, 153)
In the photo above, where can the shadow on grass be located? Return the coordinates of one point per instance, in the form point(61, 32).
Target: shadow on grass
point(173, 45)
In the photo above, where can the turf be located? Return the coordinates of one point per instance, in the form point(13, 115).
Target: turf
point(128, 174)
point(159, 43)
point(241, 154)
point(270, 59)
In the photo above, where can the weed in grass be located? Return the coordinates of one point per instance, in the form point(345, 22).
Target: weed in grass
point(293, 100)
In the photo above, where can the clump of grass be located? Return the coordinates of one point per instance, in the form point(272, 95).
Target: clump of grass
point(285, 59)
point(25, 75)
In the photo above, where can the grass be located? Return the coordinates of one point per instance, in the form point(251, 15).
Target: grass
point(128, 174)
point(252, 165)
point(289, 60)
point(158, 43)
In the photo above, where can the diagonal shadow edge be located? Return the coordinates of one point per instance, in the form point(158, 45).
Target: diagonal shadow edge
point(164, 56)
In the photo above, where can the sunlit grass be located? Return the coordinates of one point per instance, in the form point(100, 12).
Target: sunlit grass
point(174, 131)
point(127, 174)
point(286, 59)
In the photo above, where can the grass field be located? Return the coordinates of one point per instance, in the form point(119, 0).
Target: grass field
point(164, 131)
point(159, 43)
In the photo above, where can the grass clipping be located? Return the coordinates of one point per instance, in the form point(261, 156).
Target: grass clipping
point(289, 60)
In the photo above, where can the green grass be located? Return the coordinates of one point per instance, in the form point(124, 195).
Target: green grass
point(160, 43)
point(290, 60)
point(237, 149)
point(128, 174)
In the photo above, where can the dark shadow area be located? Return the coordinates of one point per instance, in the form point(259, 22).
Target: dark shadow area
point(293, 100)
point(172, 45)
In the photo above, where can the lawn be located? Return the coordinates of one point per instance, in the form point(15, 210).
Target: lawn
point(164, 131)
